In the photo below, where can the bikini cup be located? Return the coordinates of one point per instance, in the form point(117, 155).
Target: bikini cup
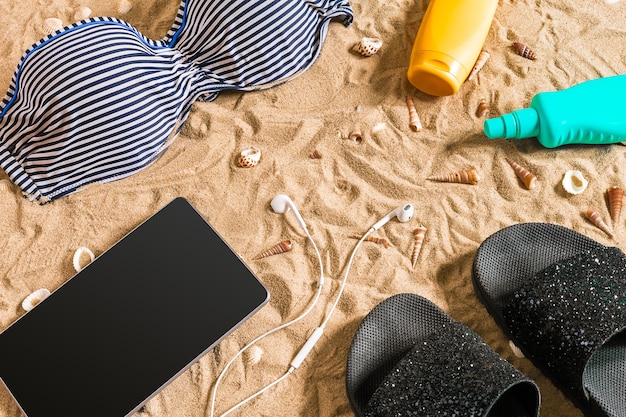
point(98, 101)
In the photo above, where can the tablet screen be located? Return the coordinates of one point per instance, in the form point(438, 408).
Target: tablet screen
point(131, 321)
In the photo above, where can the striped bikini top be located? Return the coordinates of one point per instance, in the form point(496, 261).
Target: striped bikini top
point(97, 100)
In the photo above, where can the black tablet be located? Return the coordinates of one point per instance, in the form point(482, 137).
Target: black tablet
point(131, 321)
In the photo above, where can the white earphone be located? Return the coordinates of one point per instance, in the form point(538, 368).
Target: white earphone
point(282, 203)
point(403, 213)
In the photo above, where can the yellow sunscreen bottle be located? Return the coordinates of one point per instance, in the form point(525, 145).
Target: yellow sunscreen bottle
point(448, 42)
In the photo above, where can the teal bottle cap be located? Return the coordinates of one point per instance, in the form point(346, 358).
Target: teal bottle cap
point(519, 124)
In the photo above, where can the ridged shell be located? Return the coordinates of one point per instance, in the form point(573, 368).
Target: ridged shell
point(483, 109)
point(480, 63)
point(35, 298)
point(281, 247)
point(5, 185)
point(249, 157)
point(78, 266)
point(516, 351)
point(469, 176)
point(368, 46)
point(574, 182)
point(124, 6)
point(414, 121)
point(524, 51)
point(594, 217)
point(529, 179)
point(315, 154)
point(378, 240)
point(615, 196)
point(418, 240)
point(252, 356)
point(82, 13)
point(51, 25)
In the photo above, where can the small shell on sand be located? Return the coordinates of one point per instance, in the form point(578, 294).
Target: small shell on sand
point(249, 157)
point(35, 298)
point(574, 182)
point(252, 356)
point(124, 6)
point(480, 63)
point(594, 217)
point(469, 176)
point(281, 247)
point(51, 25)
point(368, 46)
point(82, 13)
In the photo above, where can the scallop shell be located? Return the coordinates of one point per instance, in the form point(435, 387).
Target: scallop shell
point(483, 108)
point(615, 196)
point(124, 6)
point(82, 13)
point(281, 247)
point(418, 240)
point(253, 355)
point(574, 182)
point(51, 25)
point(524, 51)
point(527, 177)
point(35, 298)
point(469, 176)
point(414, 120)
point(249, 157)
point(594, 217)
point(356, 136)
point(480, 63)
point(5, 185)
point(368, 46)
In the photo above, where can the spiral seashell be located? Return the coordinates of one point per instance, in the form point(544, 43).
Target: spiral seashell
point(418, 240)
point(356, 136)
point(378, 240)
point(282, 247)
point(480, 63)
point(469, 176)
point(35, 298)
point(595, 218)
point(528, 178)
point(51, 25)
point(368, 46)
point(483, 108)
point(124, 6)
point(414, 121)
point(252, 356)
point(249, 157)
point(573, 182)
point(82, 13)
point(315, 154)
point(524, 51)
point(615, 196)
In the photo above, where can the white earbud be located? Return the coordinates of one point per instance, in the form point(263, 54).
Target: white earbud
point(282, 203)
point(403, 213)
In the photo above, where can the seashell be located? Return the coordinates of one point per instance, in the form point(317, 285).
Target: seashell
point(379, 127)
point(282, 247)
point(524, 51)
point(418, 240)
point(124, 6)
point(5, 185)
point(356, 136)
point(615, 196)
point(528, 178)
point(516, 351)
point(483, 108)
point(377, 240)
point(82, 13)
point(276, 168)
point(480, 63)
point(79, 252)
point(315, 154)
point(368, 46)
point(35, 298)
point(249, 157)
point(469, 176)
point(574, 182)
point(595, 218)
point(51, 25)
point(414, 120)
point(252, 356)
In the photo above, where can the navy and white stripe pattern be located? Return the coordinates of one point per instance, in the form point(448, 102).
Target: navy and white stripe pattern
point(97, 101)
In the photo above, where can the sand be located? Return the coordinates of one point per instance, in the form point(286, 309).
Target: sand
point(340, 194)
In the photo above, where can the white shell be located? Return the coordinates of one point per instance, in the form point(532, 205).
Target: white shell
point(368, 46)
point(77, 255)
point(253, 355)
point(35, 298)
point(5, 185)
point(82, 13)
point(249, 157)
point(574, 182)
point(516, 351)
point(51, 25)
point(124, 6)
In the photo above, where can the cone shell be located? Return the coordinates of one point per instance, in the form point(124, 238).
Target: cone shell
point(124, 6)
point(82, 13)
point(418, 240)
point(524, 51)
point(574, 182)
point(378, 240)
point(35, 298)
point(51, 25)
point(368, 46)
point(480, 63)
point(249, 157)
point(594, 217)
point(469, 176)
point(527, 177)
point(615, 196)
point(483, 108)
point(282, 247)
point(414, 121)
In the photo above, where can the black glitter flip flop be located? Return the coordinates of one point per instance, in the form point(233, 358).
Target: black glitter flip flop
point(561, 298)
point(409, 358)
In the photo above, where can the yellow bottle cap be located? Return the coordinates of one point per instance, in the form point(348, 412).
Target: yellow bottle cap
point(435, 73)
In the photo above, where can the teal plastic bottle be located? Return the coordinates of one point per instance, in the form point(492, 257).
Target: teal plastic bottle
point(592, 112)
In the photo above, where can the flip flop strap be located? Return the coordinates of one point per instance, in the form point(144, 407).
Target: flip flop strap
point(567, 311)
point(451, 372)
